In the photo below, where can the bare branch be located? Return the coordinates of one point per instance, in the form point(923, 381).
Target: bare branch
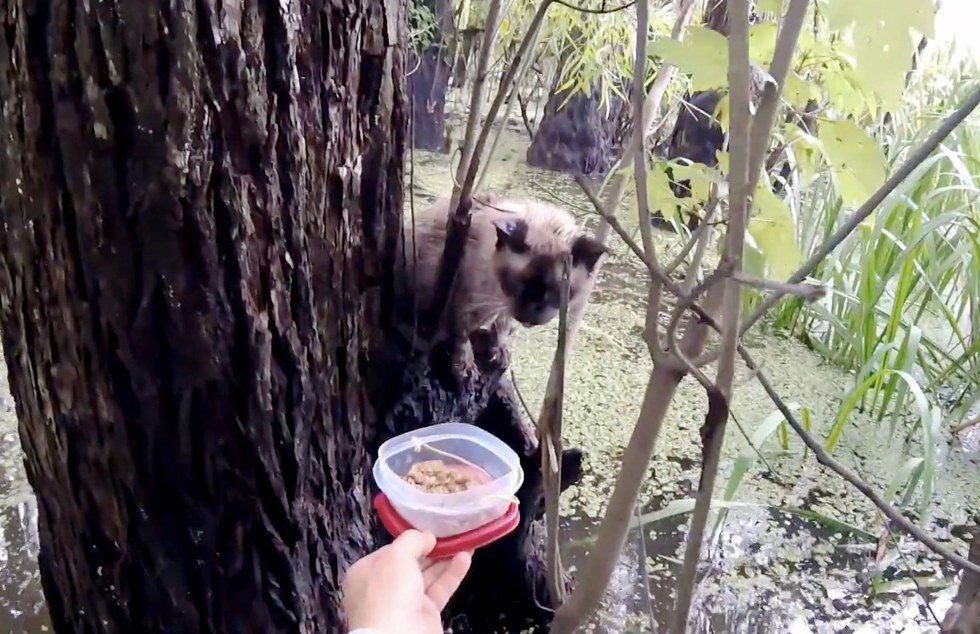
point(962, 427)
point(616, 186)
point(549, 432)
point(459, 222)
point(828, 461)
point(809, 292)
point(614, 223)
point(719, 396)
point(476, 98)
point(789, 34)
point(697, 238)
point(599, 11)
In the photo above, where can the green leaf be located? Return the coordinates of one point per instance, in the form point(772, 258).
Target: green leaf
point(855, 158)
point(770, 6)
point(882, 41)
point(774, 231)
point(703, 55)
point(659, 195)
point(806, 150)
point(845, 92)
point(762, 43)
point(798, 91)
point(700, 177)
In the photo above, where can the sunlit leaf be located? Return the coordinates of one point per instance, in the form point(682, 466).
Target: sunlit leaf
point(883, 44)
point(798, 91)
point(806, 151)
point(701, 177)
point(770, 6)
point(762, 42)
point(659, 195)
point(703, 55)
point(844, 91)
point(855, 159)
point(774, 231)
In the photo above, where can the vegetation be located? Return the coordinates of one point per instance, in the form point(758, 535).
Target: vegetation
point(881, 272)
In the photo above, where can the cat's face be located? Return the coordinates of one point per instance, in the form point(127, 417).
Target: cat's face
point(531, 277)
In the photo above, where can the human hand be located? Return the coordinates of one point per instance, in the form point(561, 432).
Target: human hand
point(398, 589)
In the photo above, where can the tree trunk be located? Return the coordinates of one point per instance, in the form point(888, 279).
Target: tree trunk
point(195, 199)
point(577, 134)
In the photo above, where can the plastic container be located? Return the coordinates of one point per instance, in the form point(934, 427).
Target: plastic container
point(457, 445)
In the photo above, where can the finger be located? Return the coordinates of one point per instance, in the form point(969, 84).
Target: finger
point(414, 544)
point(442, 588)
point(434, 570)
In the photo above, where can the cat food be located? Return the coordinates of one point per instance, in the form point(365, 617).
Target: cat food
point(435, 476)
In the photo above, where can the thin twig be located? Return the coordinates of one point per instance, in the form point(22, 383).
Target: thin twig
point(809, 292)
point(600, 11)
point(789, 34)
point(616, 186)
point(459, 221)
point(702, 227)
point(962, 427)
point(549, 432)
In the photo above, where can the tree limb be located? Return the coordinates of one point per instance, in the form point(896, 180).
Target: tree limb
point(789, 34)
point(616, 186)
point(719, 396)
point(549, 432)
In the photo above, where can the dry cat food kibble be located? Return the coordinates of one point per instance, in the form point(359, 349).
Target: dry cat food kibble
point(435, 476)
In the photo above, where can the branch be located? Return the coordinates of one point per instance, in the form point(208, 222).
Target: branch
point(809, 292)
point(812, 444)
point(719, 396)
point(921, 154)
point(695, 239)
point(549, 432)
point(600, 11)
point(789, 35)
point(828, 461)
point(962, 427)
point(615, 188)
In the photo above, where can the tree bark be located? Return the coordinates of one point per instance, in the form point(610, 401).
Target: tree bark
point(196, 197)
point(577, 135)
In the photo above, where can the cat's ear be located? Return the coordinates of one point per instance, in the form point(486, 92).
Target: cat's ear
point(586, 252)
point(511, 234)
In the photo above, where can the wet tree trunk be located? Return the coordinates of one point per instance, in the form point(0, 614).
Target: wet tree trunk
point(577, 134)
point(195, 197)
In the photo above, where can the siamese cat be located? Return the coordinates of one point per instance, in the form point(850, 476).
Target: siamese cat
point(511, 269)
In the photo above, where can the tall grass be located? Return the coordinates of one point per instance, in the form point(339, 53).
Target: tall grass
point(903, 307)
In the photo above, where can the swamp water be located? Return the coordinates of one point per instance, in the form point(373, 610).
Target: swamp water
point(767, 570)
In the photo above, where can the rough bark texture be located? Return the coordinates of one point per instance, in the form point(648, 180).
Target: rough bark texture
point(505, 590)
point(195, 195)
point(577, 135)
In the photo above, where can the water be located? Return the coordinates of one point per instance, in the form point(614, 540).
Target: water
point(22, 607)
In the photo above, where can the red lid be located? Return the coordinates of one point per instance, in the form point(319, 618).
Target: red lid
point(449, 546)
